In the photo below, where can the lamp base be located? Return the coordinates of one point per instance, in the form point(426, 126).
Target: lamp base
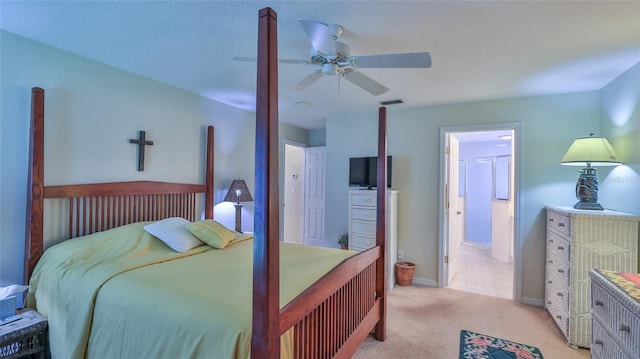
point(238, 217)
point(587, 190)
point(588, 205)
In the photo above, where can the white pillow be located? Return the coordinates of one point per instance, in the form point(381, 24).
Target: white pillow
point(172, 232)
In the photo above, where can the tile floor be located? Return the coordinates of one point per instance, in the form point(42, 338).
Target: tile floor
point(479, 273)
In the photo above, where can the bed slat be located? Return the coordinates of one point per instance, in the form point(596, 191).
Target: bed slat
point(92, 214)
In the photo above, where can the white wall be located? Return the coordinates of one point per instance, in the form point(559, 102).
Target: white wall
point(550, 124)
point(91, 110)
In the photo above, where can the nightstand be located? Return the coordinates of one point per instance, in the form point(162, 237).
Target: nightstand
point(24, 334)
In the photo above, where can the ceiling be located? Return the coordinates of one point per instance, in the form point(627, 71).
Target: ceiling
point(480, 49)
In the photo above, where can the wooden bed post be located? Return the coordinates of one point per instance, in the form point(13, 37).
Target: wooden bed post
point(265, 340)
point(381, 228)
point(208, 197)
point(34, 246)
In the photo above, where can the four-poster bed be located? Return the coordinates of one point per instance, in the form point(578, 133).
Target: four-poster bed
point(328, 319)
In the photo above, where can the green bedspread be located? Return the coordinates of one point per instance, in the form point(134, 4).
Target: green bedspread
point(124, 294)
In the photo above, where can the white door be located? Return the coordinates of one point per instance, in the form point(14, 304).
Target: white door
point(314, 196)
point(452, 210)
point(293, 212)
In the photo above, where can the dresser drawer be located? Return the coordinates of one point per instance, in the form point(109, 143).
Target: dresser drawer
point(618, 319)
point(559, 223)
point(362, 243)
point(558, 292)
point(365, 228)
point(559, 316)
point(364, 199)
point(558, 245)
point(603, 346)
point(363, 214)
point(558, 268)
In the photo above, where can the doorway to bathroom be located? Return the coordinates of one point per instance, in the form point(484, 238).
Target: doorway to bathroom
point(478, 228)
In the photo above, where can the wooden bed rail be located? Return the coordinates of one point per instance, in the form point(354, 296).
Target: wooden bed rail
point(333, 316)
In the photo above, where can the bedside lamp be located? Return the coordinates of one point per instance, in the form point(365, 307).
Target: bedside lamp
point(238, 193)
point(589, 151)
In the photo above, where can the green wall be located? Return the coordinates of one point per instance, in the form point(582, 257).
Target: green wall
point(549, 126)
point(91, 110)
point(620, 124)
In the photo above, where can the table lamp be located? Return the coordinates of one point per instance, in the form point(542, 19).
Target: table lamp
point(589, 151)
point(238, 193)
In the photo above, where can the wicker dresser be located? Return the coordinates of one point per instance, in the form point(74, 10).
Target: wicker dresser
point(615, 315)
point(578, 241)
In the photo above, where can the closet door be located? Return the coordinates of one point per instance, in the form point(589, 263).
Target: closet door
point(314, 196)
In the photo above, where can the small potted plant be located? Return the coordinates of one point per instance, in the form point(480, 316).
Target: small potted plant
point(343, 240)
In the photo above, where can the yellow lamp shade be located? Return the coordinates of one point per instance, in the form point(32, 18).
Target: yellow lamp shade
point(590, 151)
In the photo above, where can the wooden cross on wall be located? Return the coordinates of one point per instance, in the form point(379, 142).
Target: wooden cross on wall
point(141, 142)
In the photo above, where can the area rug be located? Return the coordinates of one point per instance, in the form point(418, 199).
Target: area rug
point(481, 346)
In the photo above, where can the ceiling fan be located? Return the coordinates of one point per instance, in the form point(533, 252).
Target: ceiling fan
point(334, 58)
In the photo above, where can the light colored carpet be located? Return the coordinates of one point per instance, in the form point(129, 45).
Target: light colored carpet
point(426, 323)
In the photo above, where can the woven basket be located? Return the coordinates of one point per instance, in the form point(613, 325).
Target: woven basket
point(405, 272)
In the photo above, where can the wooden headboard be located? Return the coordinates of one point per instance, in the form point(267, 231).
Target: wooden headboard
point(97, 207)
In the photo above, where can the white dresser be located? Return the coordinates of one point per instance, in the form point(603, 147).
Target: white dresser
point(578, 241)
point(615, 315)
point(362, 226)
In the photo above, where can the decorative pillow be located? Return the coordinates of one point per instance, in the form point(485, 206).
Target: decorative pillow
point(212, 233)
point(172, 232)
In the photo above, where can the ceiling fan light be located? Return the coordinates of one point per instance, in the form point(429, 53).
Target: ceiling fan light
point(330, 69)
point(336, 31)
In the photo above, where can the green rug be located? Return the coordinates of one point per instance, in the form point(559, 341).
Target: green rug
point(480, 346)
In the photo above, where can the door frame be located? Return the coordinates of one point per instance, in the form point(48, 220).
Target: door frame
point(442, 221)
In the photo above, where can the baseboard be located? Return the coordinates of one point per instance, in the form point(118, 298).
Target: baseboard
point(422, 282)
point(533, 301)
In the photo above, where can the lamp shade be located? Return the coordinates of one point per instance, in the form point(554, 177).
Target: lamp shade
point(238, 192)
point(590, 151)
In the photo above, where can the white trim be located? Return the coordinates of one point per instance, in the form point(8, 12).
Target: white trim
point(517, 159)
point(424, 282)
point(533, 301)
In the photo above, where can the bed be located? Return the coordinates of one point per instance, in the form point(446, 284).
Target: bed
point(325, 315)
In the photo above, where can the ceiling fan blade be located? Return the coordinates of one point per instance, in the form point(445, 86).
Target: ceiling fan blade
point(311, 78)
point(319, 35)
point(407, 60)
point(364, 82)
point(282, 61)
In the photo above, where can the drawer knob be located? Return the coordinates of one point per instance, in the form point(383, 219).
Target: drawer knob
point(599, 303)
point(560, 248)
point(551, 241)
point(598, 341)
point(550, 219)
point(560, 294)
point(623, 328)
point(560, 270)
point(550, 281)
point(560, 224)
point(548, 302)
point(559, 316)
point(550, 261)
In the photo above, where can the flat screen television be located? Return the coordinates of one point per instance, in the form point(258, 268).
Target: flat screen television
point(363, 172)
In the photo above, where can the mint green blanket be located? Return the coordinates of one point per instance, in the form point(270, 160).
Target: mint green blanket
point(123, 294)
